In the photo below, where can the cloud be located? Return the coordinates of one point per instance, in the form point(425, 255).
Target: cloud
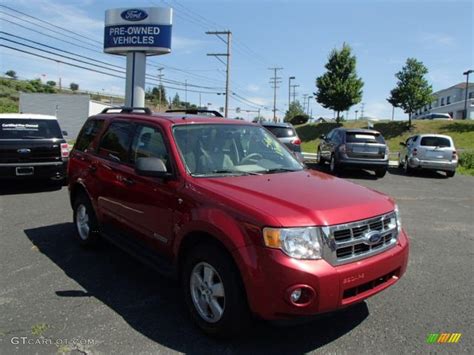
point(253, 88)
point(432, 39)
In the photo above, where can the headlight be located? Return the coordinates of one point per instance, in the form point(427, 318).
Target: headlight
point(398, 219)
point(298, 243)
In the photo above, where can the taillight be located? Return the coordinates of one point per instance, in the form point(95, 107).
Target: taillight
point(415, 152)
point(455, 155)
point(296, 141)
point(64, 150)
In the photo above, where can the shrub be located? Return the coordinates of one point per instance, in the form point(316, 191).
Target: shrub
point(466, 160)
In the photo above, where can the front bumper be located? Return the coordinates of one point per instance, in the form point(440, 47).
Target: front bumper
point(268, 274)
point(42, 170)
point(445, 165)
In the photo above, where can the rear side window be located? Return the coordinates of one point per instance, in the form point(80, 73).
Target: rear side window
point(354, 137)
point(281, 132)
point(24, 128)
point(88, 134)
point(435, 142)
point(116, 141)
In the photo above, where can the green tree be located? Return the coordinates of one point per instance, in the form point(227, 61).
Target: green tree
point(294, 110)
point(176, 101)
point(340, 87)
point(74, 87)
point(413, 90)
point(51, 83)
point(11, 74)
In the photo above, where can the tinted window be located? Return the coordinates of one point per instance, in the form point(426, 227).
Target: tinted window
point(116, 141)
point(435, 142)
point(148, 142)
point(362, 137)
point(88, 133)
point(29, 129)
point(281, 132)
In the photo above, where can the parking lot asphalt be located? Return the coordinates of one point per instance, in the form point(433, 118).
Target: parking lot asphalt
point(57, 297)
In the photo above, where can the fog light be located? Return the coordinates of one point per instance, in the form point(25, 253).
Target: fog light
point(295, 295)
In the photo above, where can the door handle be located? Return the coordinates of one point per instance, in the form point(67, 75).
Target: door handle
point(92, 168)
point(128, 181)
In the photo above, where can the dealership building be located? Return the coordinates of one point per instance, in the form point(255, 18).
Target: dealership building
point(451, 101)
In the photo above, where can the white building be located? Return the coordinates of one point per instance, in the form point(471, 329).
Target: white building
point(451, 101)
point(71, 110)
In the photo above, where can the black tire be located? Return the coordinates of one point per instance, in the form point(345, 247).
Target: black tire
point(334, 167)
point(235, 315)
point(380, 173)
point(87, 229)
point(450, 173)
point(319, 158)
point(406, 167)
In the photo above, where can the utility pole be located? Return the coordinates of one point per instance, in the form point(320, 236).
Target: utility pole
point(356, 111)
point(289, 89)
point(466, 73)
point(160, 75)
point(275, 80)
point(309, 98)
point(294, 91)
point(393, 112)
point(305, 96)
point(362, 110)
point(228, 42)
point(186, 93)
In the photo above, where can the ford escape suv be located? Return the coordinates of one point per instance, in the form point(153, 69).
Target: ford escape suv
point(199, 198)
point(32, 146)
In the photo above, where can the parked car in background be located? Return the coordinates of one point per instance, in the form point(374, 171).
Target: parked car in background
point(224, 207)
point(286, 134)
point(429, 152)
point(32, 146)
point(435, 116)
point(354, 148)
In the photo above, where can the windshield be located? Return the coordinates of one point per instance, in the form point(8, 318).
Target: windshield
point(225, 149)
point(355, 137)
point(29, 129)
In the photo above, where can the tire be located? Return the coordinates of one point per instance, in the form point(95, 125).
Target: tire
point(380, 173)
point(319, 158)
point(406, 168)
point(85, 221)
point(230, 314)
point(450, 174)
point(333, 165)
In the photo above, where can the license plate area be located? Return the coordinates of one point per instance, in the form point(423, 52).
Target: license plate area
point(24, 170)
point(434, 154)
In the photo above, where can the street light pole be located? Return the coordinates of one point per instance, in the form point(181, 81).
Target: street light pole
point(289, 90)
point(466, 73)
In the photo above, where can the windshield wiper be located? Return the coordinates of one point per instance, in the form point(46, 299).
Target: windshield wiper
point(280, 170)
point(227, 171)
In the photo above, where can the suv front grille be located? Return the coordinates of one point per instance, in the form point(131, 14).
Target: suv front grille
point(345, 243)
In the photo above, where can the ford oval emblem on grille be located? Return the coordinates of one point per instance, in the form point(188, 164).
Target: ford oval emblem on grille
point(134, 15)
point(24, 150)
point(372, 238)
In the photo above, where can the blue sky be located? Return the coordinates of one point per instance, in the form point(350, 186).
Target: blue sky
point(296, 35)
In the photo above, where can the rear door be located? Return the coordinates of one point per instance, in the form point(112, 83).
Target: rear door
point(435, 148)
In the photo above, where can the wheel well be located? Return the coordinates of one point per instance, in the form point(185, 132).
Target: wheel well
point(76, 190)
point(192, 240)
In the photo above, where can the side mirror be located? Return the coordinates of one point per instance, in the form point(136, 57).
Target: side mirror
point(323, 137)
point(403, 144)
point(64, 133)
point(152, 167)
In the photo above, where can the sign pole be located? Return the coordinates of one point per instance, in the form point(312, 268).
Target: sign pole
point(135, 82)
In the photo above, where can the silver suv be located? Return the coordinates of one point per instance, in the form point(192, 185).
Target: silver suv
point(429, 151)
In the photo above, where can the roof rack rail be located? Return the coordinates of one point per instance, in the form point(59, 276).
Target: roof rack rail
point(196, 111)
point(124, 109)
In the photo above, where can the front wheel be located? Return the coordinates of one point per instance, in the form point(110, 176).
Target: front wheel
point(213, 292)
point(85, 221)
point(406, 167)
point(333, 165)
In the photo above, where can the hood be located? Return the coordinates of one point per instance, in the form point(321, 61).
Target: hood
point(302, 198)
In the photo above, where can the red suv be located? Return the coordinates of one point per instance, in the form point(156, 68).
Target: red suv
point(227, 209)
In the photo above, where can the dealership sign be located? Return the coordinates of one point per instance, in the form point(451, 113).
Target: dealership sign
point(145, 30)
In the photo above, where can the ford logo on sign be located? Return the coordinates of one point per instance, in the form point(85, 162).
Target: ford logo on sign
point(134, 15)
point(373, 237)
